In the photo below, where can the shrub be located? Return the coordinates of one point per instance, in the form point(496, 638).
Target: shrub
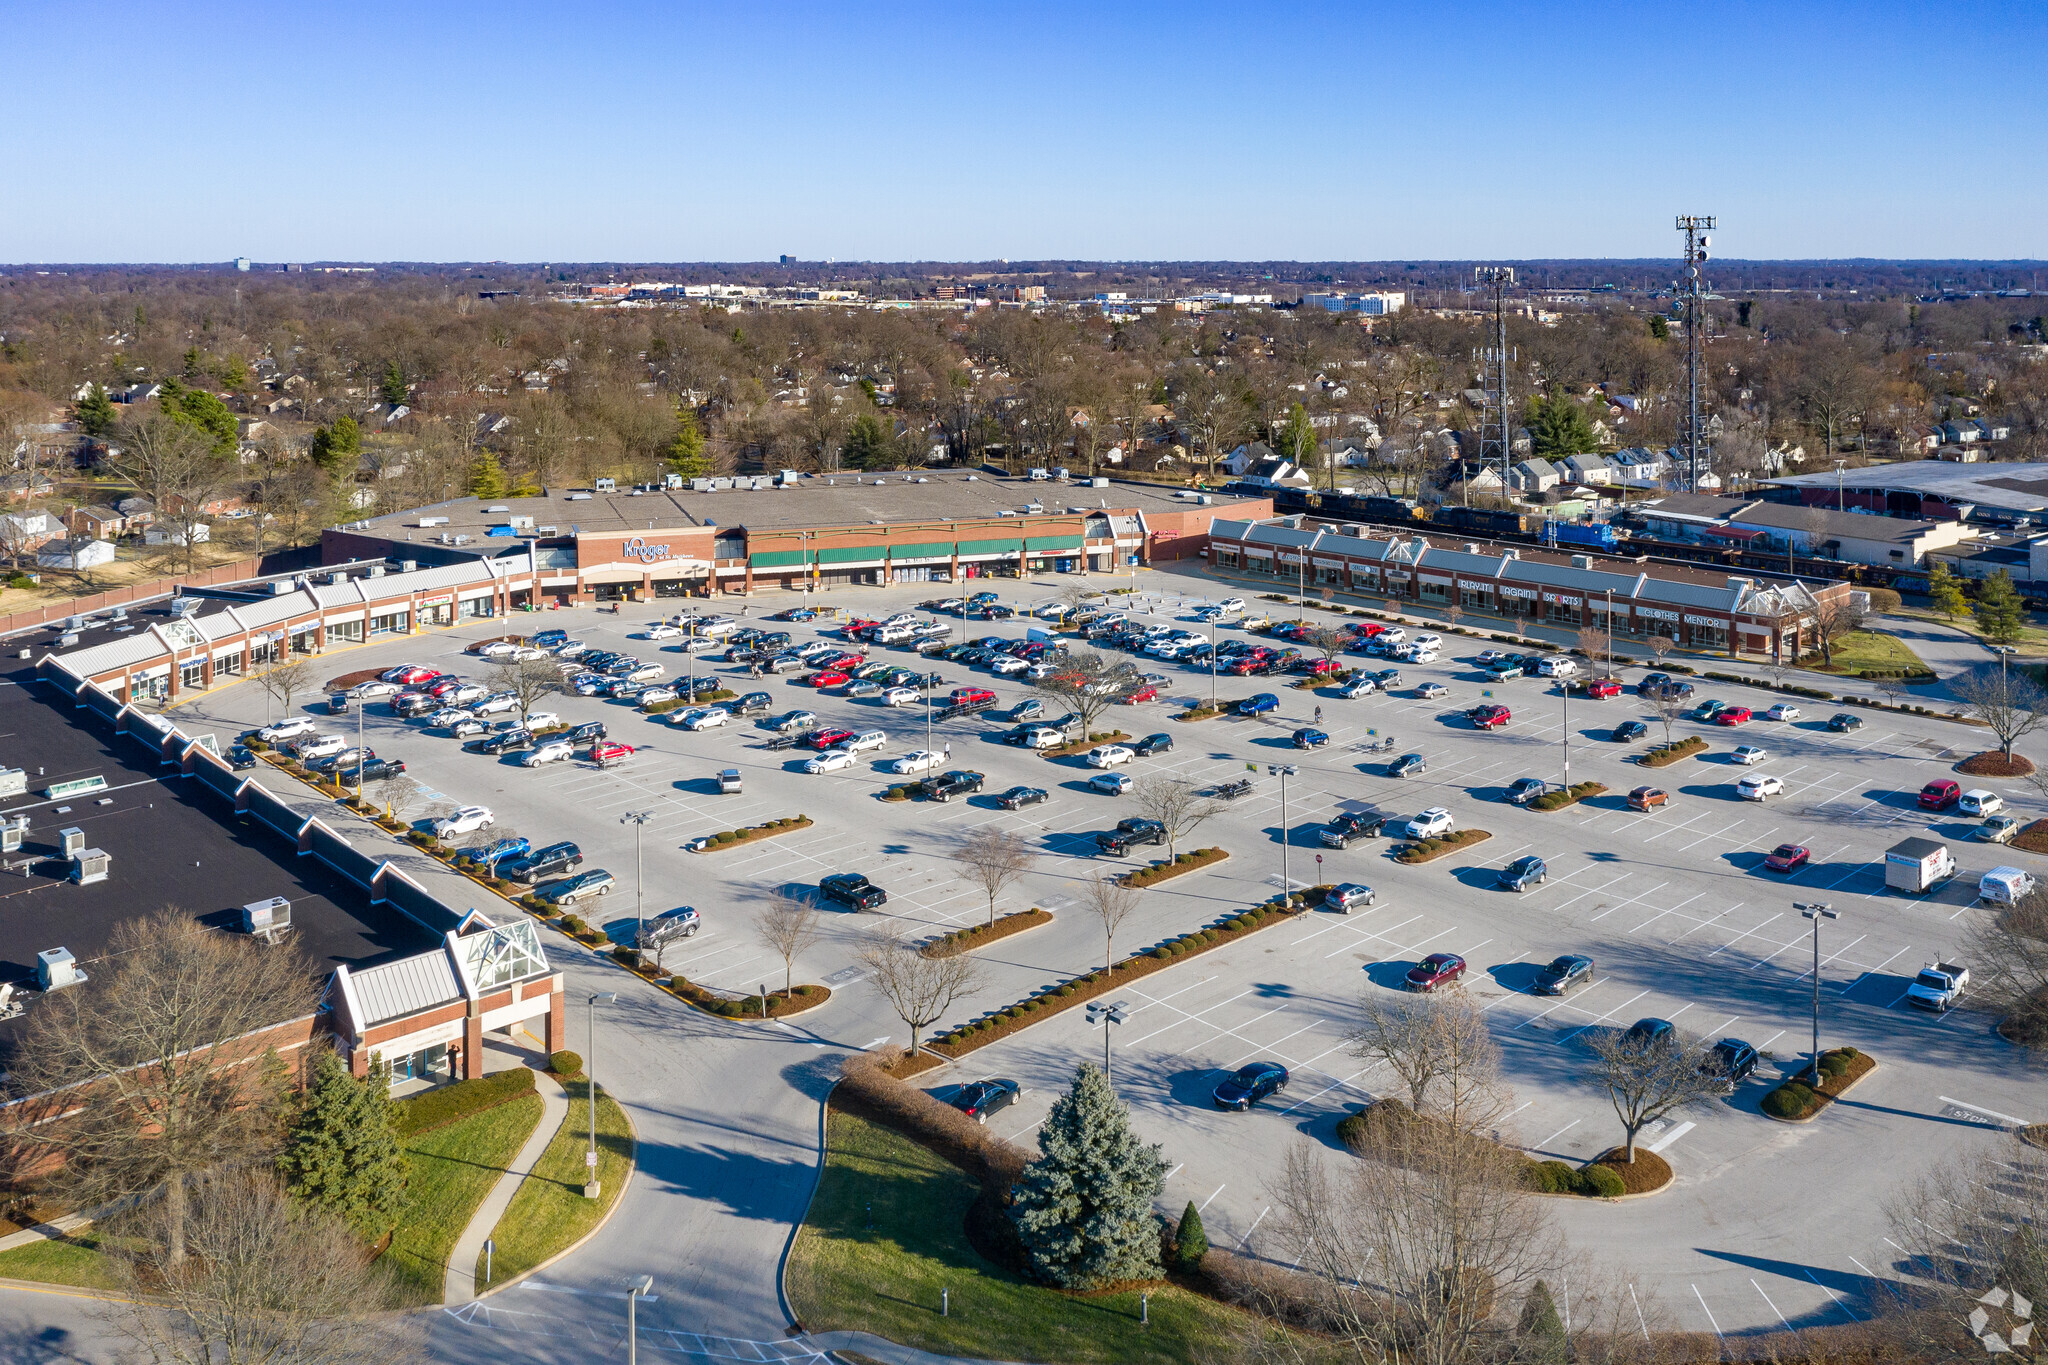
point(626, 957)
point(679, 982)
point(1603, 1181)
point(1834, 1064)
point(439, 1108)
point(565, 1064)
point(1351, 1130)
point(1162, 952)
point(1551, 1177)
point(1788, 1101)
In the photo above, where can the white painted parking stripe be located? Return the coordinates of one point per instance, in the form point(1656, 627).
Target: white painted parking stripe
point(1555, 1136)
point(1674, 1135)
point(1709, 1312)
point(1212, 1195)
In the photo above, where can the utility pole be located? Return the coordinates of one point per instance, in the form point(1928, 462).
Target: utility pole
point(1695, 227)
point(591, 1187)
point(1496, 442)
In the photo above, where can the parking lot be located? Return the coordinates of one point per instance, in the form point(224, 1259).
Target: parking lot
point(1672, 904)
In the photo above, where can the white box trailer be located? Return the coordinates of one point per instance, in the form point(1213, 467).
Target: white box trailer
point(1916, 865)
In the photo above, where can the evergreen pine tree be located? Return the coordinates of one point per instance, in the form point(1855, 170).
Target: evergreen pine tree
point(341, 1149)
point(392, 388)
point(1558, 427)
point(1083, 1210)
point(1948, 595)
point(1190, 1240)
point(95, 412)
point(200, 410)
point(1540, 1327)
point(487, 476)
point(867, 444)
point(335, 448)
point(2000, 613)
point(685, 453)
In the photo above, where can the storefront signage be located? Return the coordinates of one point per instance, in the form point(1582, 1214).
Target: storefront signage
point(437, 600)
point(1693, 620)
point(1562, 600)
point(636, 548)
point(1657, 613)
point(1506, 591)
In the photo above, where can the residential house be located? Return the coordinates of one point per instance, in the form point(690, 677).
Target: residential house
point(27, 486)
point(23, 533)
point(79, 553)
point(1639, 466)
point(138, 393)
point(1918, 441)
point(95, 521)
point(170, 534)
point(1961, 433)
point(138, 511)
point(1534, 476)
point(214, 505)
point(1246, 457)
point(492, 424)
point(1592, 470)
point(1274, 472)
point(1994, 429)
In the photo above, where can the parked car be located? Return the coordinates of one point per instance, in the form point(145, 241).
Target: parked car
point(917, 761)
point(1758, 786)
point(286, 729)
point(1351, 825)
point(1152, 744)
point(1249, 1084)
point(581, 886)
point(1523, 790)
point(1109, 756)
point(554, 751)
point(979, 1099)
point(1488, 717)
point(1731, 1060)
point(1408, 765)
point(1432, 822)
point(371, 769)
point(1562, 974)
point(586, 732)
point(1435, 971)
point(240, 757)
point(1748, 754)
point(830, 761)
point(1781, 712)
point(1651, 1033)
point(1999, 829)
point(1648, 798)
point(1978, 801)
point(1732, 716)
point(1788, 857)
point(959, 782)
point(463, 820)
point(1600, 689)
point(1940, 794)
point(1109, 784)
point(609, 752)
point(1358, 686)
point(1258, 704)
point(497, 851)
point(1523, 873)
point(1128, 834)
point(1016, 798)
point(851, 888)
point(1429, 691)
point(1842, 722)
point(1348, 896)
point(1310, 738)
point(543, 862)
point(790, 721)
point(1629, 731)
point(503, 741)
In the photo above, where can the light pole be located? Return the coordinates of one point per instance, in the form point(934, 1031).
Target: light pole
point(643, 1285)
point(1564, 685)
point(1107, 1014)
point(1816, 912)
point(638, 820)
point(590, 1183)
point(1212, 667)
point(1284, 771)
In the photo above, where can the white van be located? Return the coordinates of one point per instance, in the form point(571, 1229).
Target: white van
point(1980, 802)
point(2005, 885)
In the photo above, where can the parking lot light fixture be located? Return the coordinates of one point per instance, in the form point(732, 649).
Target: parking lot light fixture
point(1284, 771)
point(638, 820)
point(591, 1187)
point(634, 1291)
point(1114, 1012)
point(1816, 912)
point(1564, 685)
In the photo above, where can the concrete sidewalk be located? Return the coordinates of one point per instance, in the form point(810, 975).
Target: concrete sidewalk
point(460, 1286)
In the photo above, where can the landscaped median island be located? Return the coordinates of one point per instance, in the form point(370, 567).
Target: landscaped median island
point(1995, 763)
point(458, 1141)
point(1082, 746)
point(1198, 713)
point(1155, 873)
point(981, 935)
point(1388, 1127)
point(1427, 850)
point(733, 838)
point(1567, 796)
point(549, 1213)
point(1663, 754)
point(960, 1041)
point(662, 708)
point(1794, 1101)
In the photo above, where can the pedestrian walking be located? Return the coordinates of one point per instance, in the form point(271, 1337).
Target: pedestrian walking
point(949, 751)
point(1319, 715)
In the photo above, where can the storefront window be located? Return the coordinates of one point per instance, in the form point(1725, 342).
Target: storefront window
point(345, 632)
point(1709, 637)
point(227, 665)
point(1435, 592)
point(192, 676)
point(392, 623)
point(1326, 573)
point(1226, 559)
point(1476, 599)
point(1560, 612)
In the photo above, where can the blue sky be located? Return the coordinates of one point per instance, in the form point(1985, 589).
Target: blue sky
point(1307, 131)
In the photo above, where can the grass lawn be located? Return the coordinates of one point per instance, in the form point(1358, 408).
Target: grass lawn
point(550, 1212)
point(886, 1233)
point(1861, 650)
point(75, 1263)
point(450, 1171)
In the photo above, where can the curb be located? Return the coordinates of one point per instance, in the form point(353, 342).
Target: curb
point(1874, 1066)
point(625, 1186)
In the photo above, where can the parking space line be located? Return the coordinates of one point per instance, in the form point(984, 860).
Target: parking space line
point(1601, 1019)
point(1555, 1136)
point(1212, 1195)
point(1767, 1299)
point(1709, 1312)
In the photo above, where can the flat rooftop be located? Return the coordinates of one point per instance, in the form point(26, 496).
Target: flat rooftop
point(2010, 486)
point(848, 499)
point(169, 844)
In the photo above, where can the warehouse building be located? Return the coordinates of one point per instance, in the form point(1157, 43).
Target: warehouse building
point(1998, 494)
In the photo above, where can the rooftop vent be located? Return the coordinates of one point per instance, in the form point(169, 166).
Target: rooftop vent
point(1582, 561)
point(497, 507)
point(408, 566)
point(579, 497)
point(280, 587)
point(433, 521)
point(56, 969)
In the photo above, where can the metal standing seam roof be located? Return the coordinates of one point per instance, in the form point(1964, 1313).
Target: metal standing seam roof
point(407, 986)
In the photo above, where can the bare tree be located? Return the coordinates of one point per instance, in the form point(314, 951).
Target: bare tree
point(1598, 643)
point(1834, 616)
point(2011, 704)
point(158, 1050)
point(1088, 684)
point(1111, 902)
point(1401, 1031)
point(268, 1282)
point(177, 468)
point(1647, 1078)
point(788, 926)
point(1659, 645)
point(400, 796)
point(920, 989)
point(527, 679)
point(1440, 1050)
point(1329, 641)
point(1178, 806)
point(1668, 706)
point(288, 677)
point(993, 859)
point(2008, 955)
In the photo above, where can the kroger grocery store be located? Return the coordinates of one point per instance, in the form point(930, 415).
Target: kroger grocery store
point(471, 558)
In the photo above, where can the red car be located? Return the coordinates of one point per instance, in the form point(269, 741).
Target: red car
point(1248, 665)
point(1146, 693)
point(1734, 715)
point(968, 696)
point(1438, 969)
point(610, 751)
point(1600, 689)
point(1488, 717)
point(827, 677)
point(822, 740)
point(1939, 794)
point(443, 687)
point(843, 662)
point(1787, 858)
point(407, 674)
point(1369, 629)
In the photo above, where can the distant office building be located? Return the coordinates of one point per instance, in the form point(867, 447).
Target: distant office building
point(241, 263)
point(1373, 305)
point(785, 260)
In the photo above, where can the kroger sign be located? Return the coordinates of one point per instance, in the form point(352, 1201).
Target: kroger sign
point(636, 548)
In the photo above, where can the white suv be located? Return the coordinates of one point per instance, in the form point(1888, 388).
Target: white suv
point(464, 820)
point(286, 729)
point(554, 751)
point(867, 739)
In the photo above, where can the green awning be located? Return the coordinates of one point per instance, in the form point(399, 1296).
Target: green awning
point(849, 554)
point(775, 559)
point(938, 549)
point(990, 547)
point(1049, 543)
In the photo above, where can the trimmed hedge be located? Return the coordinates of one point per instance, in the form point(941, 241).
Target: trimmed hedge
point(745, 1006)
point(1558, 800)
point(1664, 754)
point(452, 1103)
point(1182, 862)
point(867, 1088)
point(1839, 1069)
point(732, 838)
point(1425, 850)
point(565, 1064)
point(1082, 746)
point(967, 940)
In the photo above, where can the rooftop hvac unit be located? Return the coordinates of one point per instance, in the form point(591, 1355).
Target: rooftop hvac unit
point(433, 521)
point(1092, 483)
point(66, 641)
point(56, 969)
point(579, 497)
point(13, 781)
point(11, 834)
point(447, 539)
point(335, 580)
point(462, 540)
point(72, 840)
point(408, 566)
point(118, 614)
point(184, 606)
point(700, 485)
point(90, 865)
point(279, 588)
point(497, 507)
point(74, 623)
point(376, 571)
point(606, 485)
point(268, 920)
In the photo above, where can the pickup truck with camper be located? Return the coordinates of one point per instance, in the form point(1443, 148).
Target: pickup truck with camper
point(1917, 865)
point(1938, 986)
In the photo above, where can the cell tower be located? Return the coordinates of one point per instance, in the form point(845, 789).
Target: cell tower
point(1695, 228)
point(1496, 439)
